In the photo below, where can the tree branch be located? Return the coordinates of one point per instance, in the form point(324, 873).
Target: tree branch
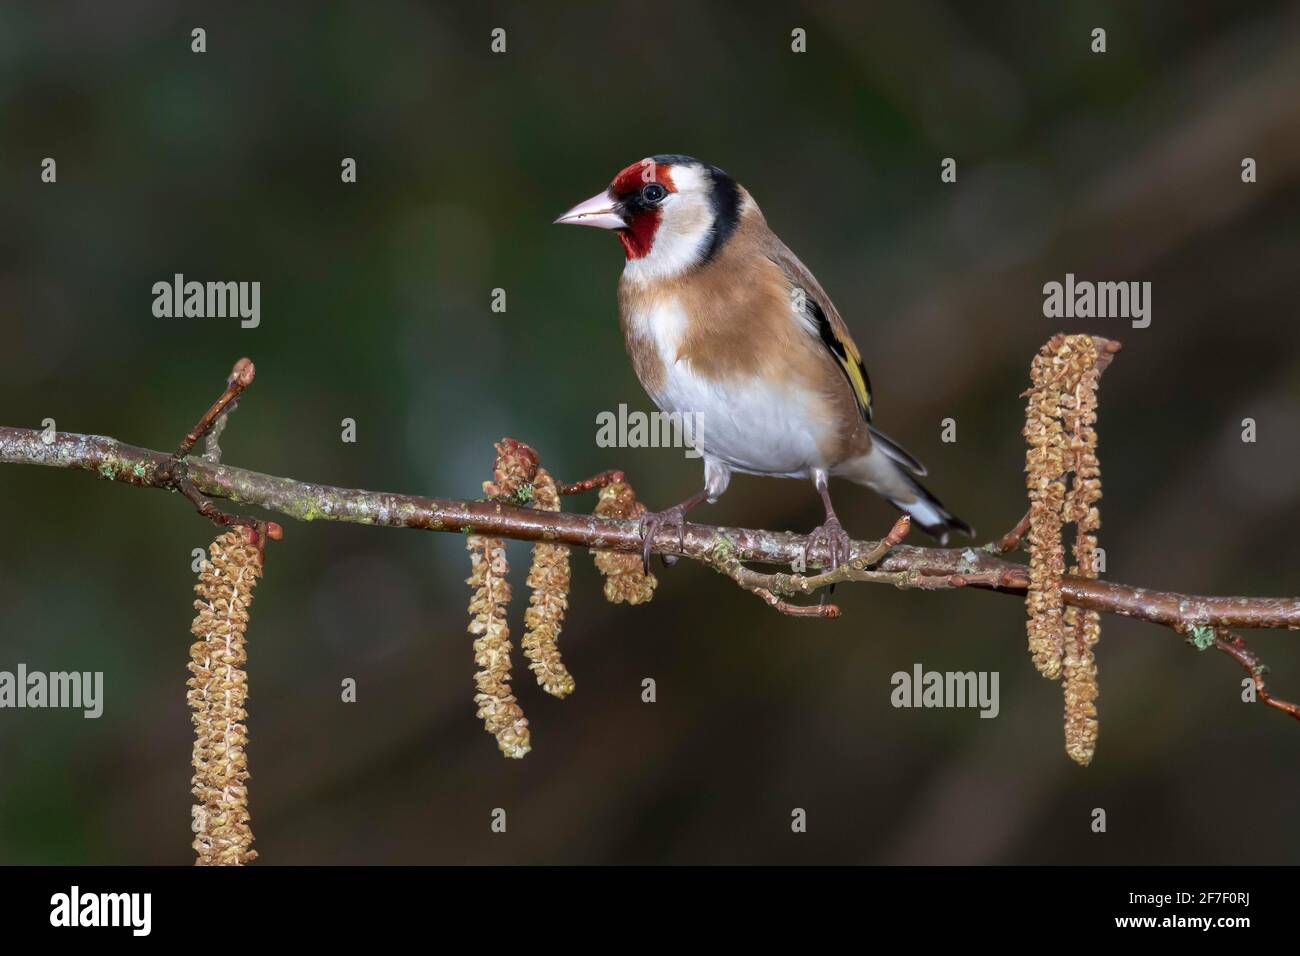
point(903, 566)
point(1204, 621)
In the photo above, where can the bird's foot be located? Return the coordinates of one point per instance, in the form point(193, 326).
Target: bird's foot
point(837, 540)
point(651, 522)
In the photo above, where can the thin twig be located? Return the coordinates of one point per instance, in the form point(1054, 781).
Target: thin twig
point(1011, 540)
point(241, 376)
point(175, 472)
point(873, 557)
point(770, 586)
point(1234, 645)
point(589, 484)
point(796, 610)
point(212, 441)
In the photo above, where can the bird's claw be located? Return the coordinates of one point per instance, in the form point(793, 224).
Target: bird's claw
point(838, 543)
point(651, 522)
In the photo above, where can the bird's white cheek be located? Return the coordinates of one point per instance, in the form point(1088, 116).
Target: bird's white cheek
point(678, 244)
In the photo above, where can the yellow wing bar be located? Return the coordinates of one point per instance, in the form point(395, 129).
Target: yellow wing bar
point(846, 354)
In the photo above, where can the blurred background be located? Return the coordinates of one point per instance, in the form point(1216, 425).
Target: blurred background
point(375, 306)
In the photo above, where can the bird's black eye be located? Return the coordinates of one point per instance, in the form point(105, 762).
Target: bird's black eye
point(653, 192)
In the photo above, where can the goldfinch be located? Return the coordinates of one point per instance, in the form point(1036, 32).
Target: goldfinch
point(724, 323)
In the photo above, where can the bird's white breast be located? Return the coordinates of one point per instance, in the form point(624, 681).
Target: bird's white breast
point(751, 424)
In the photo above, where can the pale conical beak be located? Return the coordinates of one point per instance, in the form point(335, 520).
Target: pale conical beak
point(598, 211)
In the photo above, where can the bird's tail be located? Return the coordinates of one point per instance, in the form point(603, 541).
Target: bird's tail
point(891, 472)
point(928, 512)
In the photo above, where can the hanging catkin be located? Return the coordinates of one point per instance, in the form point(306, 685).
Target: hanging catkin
point(1045, 472)
point(549, 579)
point(1059, 427)
point(501, 714)
point(512, 475)
point(1083, 627)
point(625, 578)
point(218, 690)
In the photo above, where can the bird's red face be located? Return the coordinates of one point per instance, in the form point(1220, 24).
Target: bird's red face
point(633, 205)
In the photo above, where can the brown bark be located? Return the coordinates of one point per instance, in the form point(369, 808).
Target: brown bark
point(903, 565)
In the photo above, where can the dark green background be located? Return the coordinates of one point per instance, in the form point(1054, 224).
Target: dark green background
point(375, 303)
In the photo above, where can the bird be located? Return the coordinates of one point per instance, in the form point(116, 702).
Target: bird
point(723, 322)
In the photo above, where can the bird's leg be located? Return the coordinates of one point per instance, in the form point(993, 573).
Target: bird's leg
point(652, 521)
point(838, 543)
